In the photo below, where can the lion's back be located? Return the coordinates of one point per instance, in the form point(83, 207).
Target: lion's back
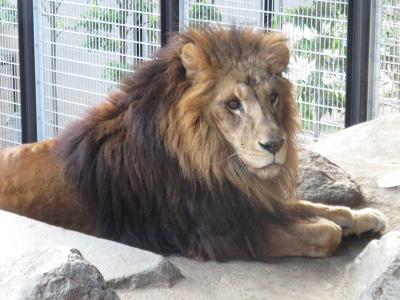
point(31, 184)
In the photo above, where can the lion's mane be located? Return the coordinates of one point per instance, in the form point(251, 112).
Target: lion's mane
point(151, 167)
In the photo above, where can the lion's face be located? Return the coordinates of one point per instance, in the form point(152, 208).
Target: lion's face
point(247, 111)
point(238, 110)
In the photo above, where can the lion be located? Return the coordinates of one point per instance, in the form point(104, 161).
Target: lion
point(195, 154)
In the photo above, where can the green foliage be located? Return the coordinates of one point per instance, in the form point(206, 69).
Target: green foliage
point(323, 48)
point(202, 10)
point(153, 34)
point(107, 30)
point(8, 13)
point(390, 47)
point(8, 17)
point(102, 43)
point(115, 70)
point(99, 24)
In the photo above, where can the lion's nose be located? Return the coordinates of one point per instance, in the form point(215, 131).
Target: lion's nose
point(273, 145)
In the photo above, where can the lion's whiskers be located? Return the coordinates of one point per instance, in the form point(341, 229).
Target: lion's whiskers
point(228, 157)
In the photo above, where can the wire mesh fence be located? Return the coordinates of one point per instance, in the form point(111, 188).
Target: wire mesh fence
point(86, 49)
point(10, 104)
point(389, 67)
point(317, 33)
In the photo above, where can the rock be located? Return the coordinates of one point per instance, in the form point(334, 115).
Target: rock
point(369, 152)
point(324, 182)
point(52, 273)
point(162, 273)
point(122, 266)
point(375, 274)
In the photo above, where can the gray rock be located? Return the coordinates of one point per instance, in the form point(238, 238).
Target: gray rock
point(368, 152)
point(163, 274)
point(324, 182)
point(54, 273)
point(122, 266)
point(375, 274)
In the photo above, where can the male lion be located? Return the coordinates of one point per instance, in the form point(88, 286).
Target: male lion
point(195, 154)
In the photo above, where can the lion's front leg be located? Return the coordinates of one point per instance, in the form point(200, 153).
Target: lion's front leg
point(316, 237)
point(350, 220)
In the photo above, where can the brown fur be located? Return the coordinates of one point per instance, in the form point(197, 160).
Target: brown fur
point(151, 166)
point(31, 184)
point(193, 137)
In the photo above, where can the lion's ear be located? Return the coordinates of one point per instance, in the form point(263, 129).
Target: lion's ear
point(276, 55)
point(191, 58)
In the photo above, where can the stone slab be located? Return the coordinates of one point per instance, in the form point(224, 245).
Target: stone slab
point(375, 273)
point(122, 266)
point(375, 142)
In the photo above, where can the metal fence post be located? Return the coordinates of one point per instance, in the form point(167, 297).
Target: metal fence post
point(169, 10)
point(268, 13)
point(358, 65)
point(183, 14)
point(39, 75)
point(374, 59)
point(27, 71)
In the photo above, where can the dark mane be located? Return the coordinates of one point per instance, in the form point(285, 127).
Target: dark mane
point(117, 160)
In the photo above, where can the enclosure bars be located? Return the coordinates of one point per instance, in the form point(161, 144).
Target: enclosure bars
point(358, 51)
point(169, 10)
point(358, 67)
point(27, 71)
point(358, 64)
point(268, 14)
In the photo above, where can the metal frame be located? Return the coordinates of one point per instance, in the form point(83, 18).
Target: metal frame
point(27, 71)
point(374, 60)
point(169, 19)
point(358, 68)
point(40, 99)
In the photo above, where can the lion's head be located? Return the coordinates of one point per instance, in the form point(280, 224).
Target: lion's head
point(237, 115)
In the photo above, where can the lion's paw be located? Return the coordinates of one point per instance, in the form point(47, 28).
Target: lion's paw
point(342, 216)
point(367, 220)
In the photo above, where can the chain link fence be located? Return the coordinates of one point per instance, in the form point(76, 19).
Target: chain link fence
point(10, 104)
point(84, 48)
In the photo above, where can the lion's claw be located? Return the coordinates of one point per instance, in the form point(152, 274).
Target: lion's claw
point(367, 220)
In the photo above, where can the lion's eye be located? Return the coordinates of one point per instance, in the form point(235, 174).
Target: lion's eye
point(273, 98)
point(234, 104)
